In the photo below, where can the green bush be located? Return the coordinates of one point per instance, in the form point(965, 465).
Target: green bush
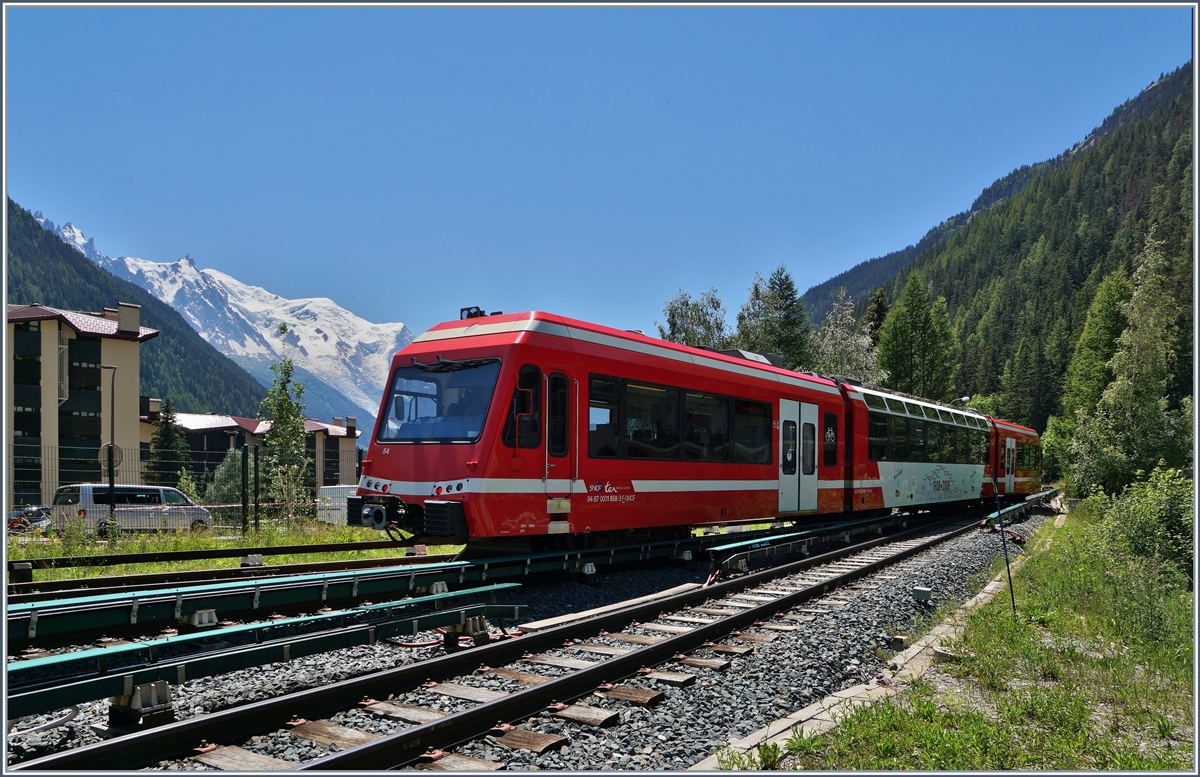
point(1153, 518)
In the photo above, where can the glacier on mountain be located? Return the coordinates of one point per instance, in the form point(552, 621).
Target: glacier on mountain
point(328, 344)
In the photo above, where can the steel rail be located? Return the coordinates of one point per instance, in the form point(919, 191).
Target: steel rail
point(173, 739)
point(95, 586)
point(196, 555)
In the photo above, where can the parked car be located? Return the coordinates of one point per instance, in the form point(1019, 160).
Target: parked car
point(137, 508)
point(28, 518)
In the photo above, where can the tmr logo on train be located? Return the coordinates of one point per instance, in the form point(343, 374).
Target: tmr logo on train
point(610, 491)
point(938, 481)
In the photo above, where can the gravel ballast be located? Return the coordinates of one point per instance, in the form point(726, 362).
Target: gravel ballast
point(835, 650)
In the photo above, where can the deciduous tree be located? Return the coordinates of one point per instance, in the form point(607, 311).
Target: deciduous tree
point(842, 347)
point(286, 460)
point(696, 322)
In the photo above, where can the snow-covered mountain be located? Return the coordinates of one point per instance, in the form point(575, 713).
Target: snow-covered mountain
point(342, 359)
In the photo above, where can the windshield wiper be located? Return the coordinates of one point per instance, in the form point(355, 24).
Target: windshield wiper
point(451, 365)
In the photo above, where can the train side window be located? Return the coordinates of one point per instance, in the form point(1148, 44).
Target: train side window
point(524, 411)
point(751, 432)
point(808, 449)
point(706, 427)
point(898, 442)
point(933, 442)
point(874, 401)
point(651, 422)
point(980, 448)
point(877, 437)
point(559, 420)
point(963, 453)
point(895, 405)
point(916, 440)
point(603, 407)
point(830, 439)
point(789, 447)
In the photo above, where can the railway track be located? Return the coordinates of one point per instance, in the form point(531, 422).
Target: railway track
point(655, 643)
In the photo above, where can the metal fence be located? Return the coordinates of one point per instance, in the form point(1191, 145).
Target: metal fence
point(233, 485)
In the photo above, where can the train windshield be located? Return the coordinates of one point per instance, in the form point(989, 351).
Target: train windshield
point(442, 401)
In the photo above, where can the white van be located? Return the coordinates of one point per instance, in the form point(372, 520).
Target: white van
point(138, 508)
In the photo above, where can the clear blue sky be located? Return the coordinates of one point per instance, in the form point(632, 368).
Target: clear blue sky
point(587, 161)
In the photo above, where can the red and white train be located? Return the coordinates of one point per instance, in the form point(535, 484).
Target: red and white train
point(536, 431)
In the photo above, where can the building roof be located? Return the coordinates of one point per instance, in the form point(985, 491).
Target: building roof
point(214, 422)
point(83, 323)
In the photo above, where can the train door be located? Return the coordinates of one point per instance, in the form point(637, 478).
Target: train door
point(789, 455)
point(561, 455)
point(1010, 464)
point(808, 456)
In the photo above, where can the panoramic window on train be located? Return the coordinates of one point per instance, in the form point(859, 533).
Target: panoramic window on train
point(959, 418)
point(706, 427)
point(897, 438)
point(559, 415)
point(751, 432)
point(523, 424)
point(874, 401)
point(916, 410)
point(877, 437)
point(808, 449)
point(603, 404)
point(789, 447)
point(946, 416)
point(444, 401)
point(651, 422)
point(916, 440)
point(829, 439)
point(979, 448)
point(933, 442)
point(962, 453)
point(895, 405)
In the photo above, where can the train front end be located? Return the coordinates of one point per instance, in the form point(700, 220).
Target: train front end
point(439, 413)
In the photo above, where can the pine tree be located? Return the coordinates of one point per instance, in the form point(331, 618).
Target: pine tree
point(917, 346)
point(1089, 373)
point(772, 320)
point(877, 310)
point(696, 322)
point(842, 348)
point(169, 450)
point(286, 459)
point(1133, 426)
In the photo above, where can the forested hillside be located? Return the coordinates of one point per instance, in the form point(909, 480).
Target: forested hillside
point(1019, 278)
point(178, 363)
point(861, 279)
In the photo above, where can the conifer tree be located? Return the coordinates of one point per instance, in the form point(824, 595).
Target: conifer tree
point(916, 345)
point(877, 310)
point(169, 450)
point(772, 320)
point(1133, 426)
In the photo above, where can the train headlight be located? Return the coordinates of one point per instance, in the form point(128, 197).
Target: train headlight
point(375, 516)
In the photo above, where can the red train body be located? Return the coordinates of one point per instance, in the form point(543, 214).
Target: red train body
point(558, 432)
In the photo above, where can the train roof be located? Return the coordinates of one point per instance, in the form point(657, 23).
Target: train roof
point(562, 326)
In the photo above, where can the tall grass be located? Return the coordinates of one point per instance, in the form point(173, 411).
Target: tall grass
point(1095, 671)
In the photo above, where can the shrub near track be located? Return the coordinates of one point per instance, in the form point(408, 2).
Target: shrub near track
point(1095, 672)
point(68, 543)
